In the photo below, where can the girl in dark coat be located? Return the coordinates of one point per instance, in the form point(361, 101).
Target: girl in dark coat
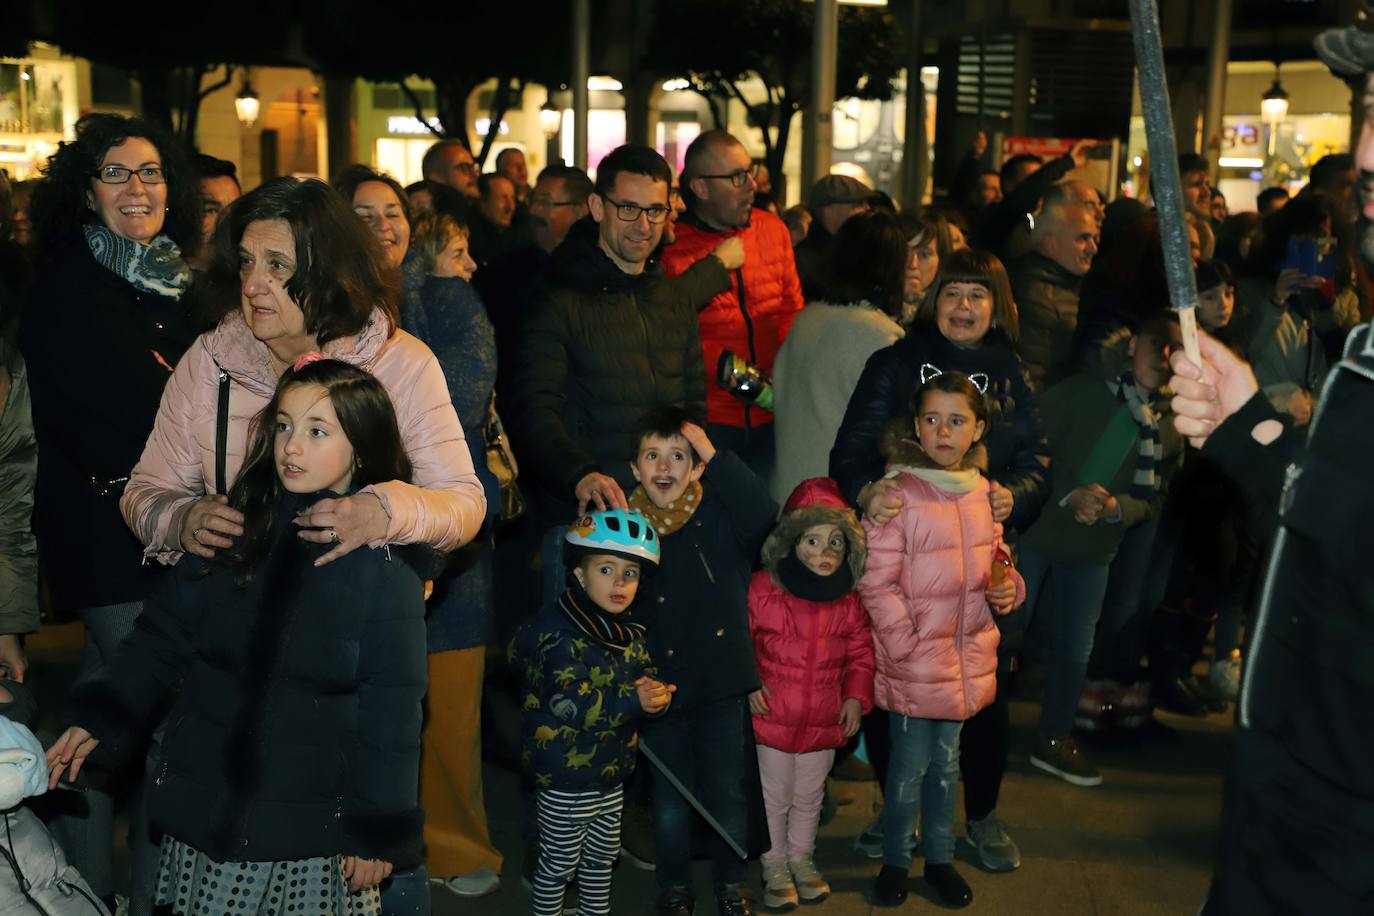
point(293, 751)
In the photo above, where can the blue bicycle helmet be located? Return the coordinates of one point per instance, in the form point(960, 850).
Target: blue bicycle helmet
point(621, 532)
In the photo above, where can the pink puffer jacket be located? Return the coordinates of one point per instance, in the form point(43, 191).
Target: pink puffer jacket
point(444, 507)
point(924, 589)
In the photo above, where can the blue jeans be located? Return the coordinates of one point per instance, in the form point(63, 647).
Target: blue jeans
point(922, 783)
point(1138, 580)
point(705, 746)
point(1063, 602)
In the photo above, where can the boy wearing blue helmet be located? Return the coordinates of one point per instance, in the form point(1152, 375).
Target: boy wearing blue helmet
point(587, 680)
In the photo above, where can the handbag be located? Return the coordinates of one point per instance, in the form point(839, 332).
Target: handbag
point(501, 463)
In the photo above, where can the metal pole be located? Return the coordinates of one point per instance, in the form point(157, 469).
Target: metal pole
point(820, 137)
point(581, 56)
point(692, 800)
point(916, 156)
point(1220, 51)
point(1164, 177)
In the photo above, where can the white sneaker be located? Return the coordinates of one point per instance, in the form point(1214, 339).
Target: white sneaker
point(779, 893)
point(1224, 676)
point(475, 884)
point(811, 885)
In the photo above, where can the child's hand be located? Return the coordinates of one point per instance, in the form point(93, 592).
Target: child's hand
point(701, 444)
point(758, 701)
point(851, 714)
point(881, 501)
point(363, 873)
point(1088, 504)
point(72, 748)
point(654, 696)
point(1002, 595)
point(1002, 500)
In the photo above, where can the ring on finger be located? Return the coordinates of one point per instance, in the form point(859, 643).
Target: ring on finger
point(333, 536)
point(195, 534)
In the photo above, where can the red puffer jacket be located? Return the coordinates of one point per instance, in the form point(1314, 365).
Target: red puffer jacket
point(754, 329)
point(812, 655)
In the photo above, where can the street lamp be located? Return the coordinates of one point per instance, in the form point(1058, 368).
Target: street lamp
point(246, 104)
point(550, 120)
point(1274, 108)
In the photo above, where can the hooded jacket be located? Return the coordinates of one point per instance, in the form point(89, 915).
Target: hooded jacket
point(599, 348)
point(581, 707)
point(443, 508)
point(924, 589)
point(297, 731)
point(753, 314)
point(812, 655)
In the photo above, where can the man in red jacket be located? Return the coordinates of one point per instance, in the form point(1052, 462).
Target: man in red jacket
point(752, 317)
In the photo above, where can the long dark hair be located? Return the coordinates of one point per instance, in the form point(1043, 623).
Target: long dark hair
point(368, 421)
point(59, 206)
point(341, 274)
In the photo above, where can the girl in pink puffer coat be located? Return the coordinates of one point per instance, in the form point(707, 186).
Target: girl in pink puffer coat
point(935, 574)
point(815, 658)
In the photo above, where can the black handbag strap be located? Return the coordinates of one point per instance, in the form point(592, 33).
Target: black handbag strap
point(221, 431)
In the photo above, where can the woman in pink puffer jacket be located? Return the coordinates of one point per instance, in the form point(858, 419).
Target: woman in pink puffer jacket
point(934, 574)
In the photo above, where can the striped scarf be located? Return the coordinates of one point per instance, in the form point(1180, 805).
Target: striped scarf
point(596, 623)
point(1145, 481)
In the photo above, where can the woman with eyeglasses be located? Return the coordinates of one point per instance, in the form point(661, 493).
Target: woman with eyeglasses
point(105, 323)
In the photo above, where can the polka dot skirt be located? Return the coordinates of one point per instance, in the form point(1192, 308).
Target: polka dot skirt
point(193, 884)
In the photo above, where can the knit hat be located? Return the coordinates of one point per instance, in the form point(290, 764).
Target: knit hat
point(816, 502)
point(838, 189)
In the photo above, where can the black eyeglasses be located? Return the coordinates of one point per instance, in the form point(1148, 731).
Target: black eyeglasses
point(118, 174)
point(630, 212)
point(736, 178)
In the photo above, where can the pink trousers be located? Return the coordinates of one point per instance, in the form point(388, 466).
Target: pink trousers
point(793, 787)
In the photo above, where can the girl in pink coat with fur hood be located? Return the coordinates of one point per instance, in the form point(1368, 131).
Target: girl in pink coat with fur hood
point(815, 658)
point(935, 575)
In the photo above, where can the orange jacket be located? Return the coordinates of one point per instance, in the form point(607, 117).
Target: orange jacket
point(754, 328)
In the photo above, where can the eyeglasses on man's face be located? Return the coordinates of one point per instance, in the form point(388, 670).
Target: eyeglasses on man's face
point(738, 178)
point(630, 212)
point(118, 174)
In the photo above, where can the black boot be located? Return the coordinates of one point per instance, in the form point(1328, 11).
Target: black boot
point(949, 887)
point(891, 886)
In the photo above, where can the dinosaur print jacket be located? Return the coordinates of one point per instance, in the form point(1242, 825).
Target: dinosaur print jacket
point(581, 707)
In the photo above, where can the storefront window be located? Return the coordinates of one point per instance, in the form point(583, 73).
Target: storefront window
point(37, 106)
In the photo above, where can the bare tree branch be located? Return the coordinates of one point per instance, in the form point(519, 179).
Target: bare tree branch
point(217, 86)
point(419, 106)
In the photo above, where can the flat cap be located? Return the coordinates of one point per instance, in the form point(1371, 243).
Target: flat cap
point(838, 189)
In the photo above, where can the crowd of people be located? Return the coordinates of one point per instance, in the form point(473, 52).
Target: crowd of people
point(719, 497)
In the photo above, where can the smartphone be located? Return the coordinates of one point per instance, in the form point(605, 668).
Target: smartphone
point(1304, 256)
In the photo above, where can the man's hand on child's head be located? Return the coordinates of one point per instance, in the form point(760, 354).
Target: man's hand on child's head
point(758, 702)
point(600, 491)
point(696, 437)
point(851, 715)
point(654, 696)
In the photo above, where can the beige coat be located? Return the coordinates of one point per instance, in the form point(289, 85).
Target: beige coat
point(444, 507)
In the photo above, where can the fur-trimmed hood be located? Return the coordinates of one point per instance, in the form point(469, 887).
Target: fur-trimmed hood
point(816, 502)
point(900, 449)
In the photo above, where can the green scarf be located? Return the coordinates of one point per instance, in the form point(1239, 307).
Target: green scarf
point(154, 268)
